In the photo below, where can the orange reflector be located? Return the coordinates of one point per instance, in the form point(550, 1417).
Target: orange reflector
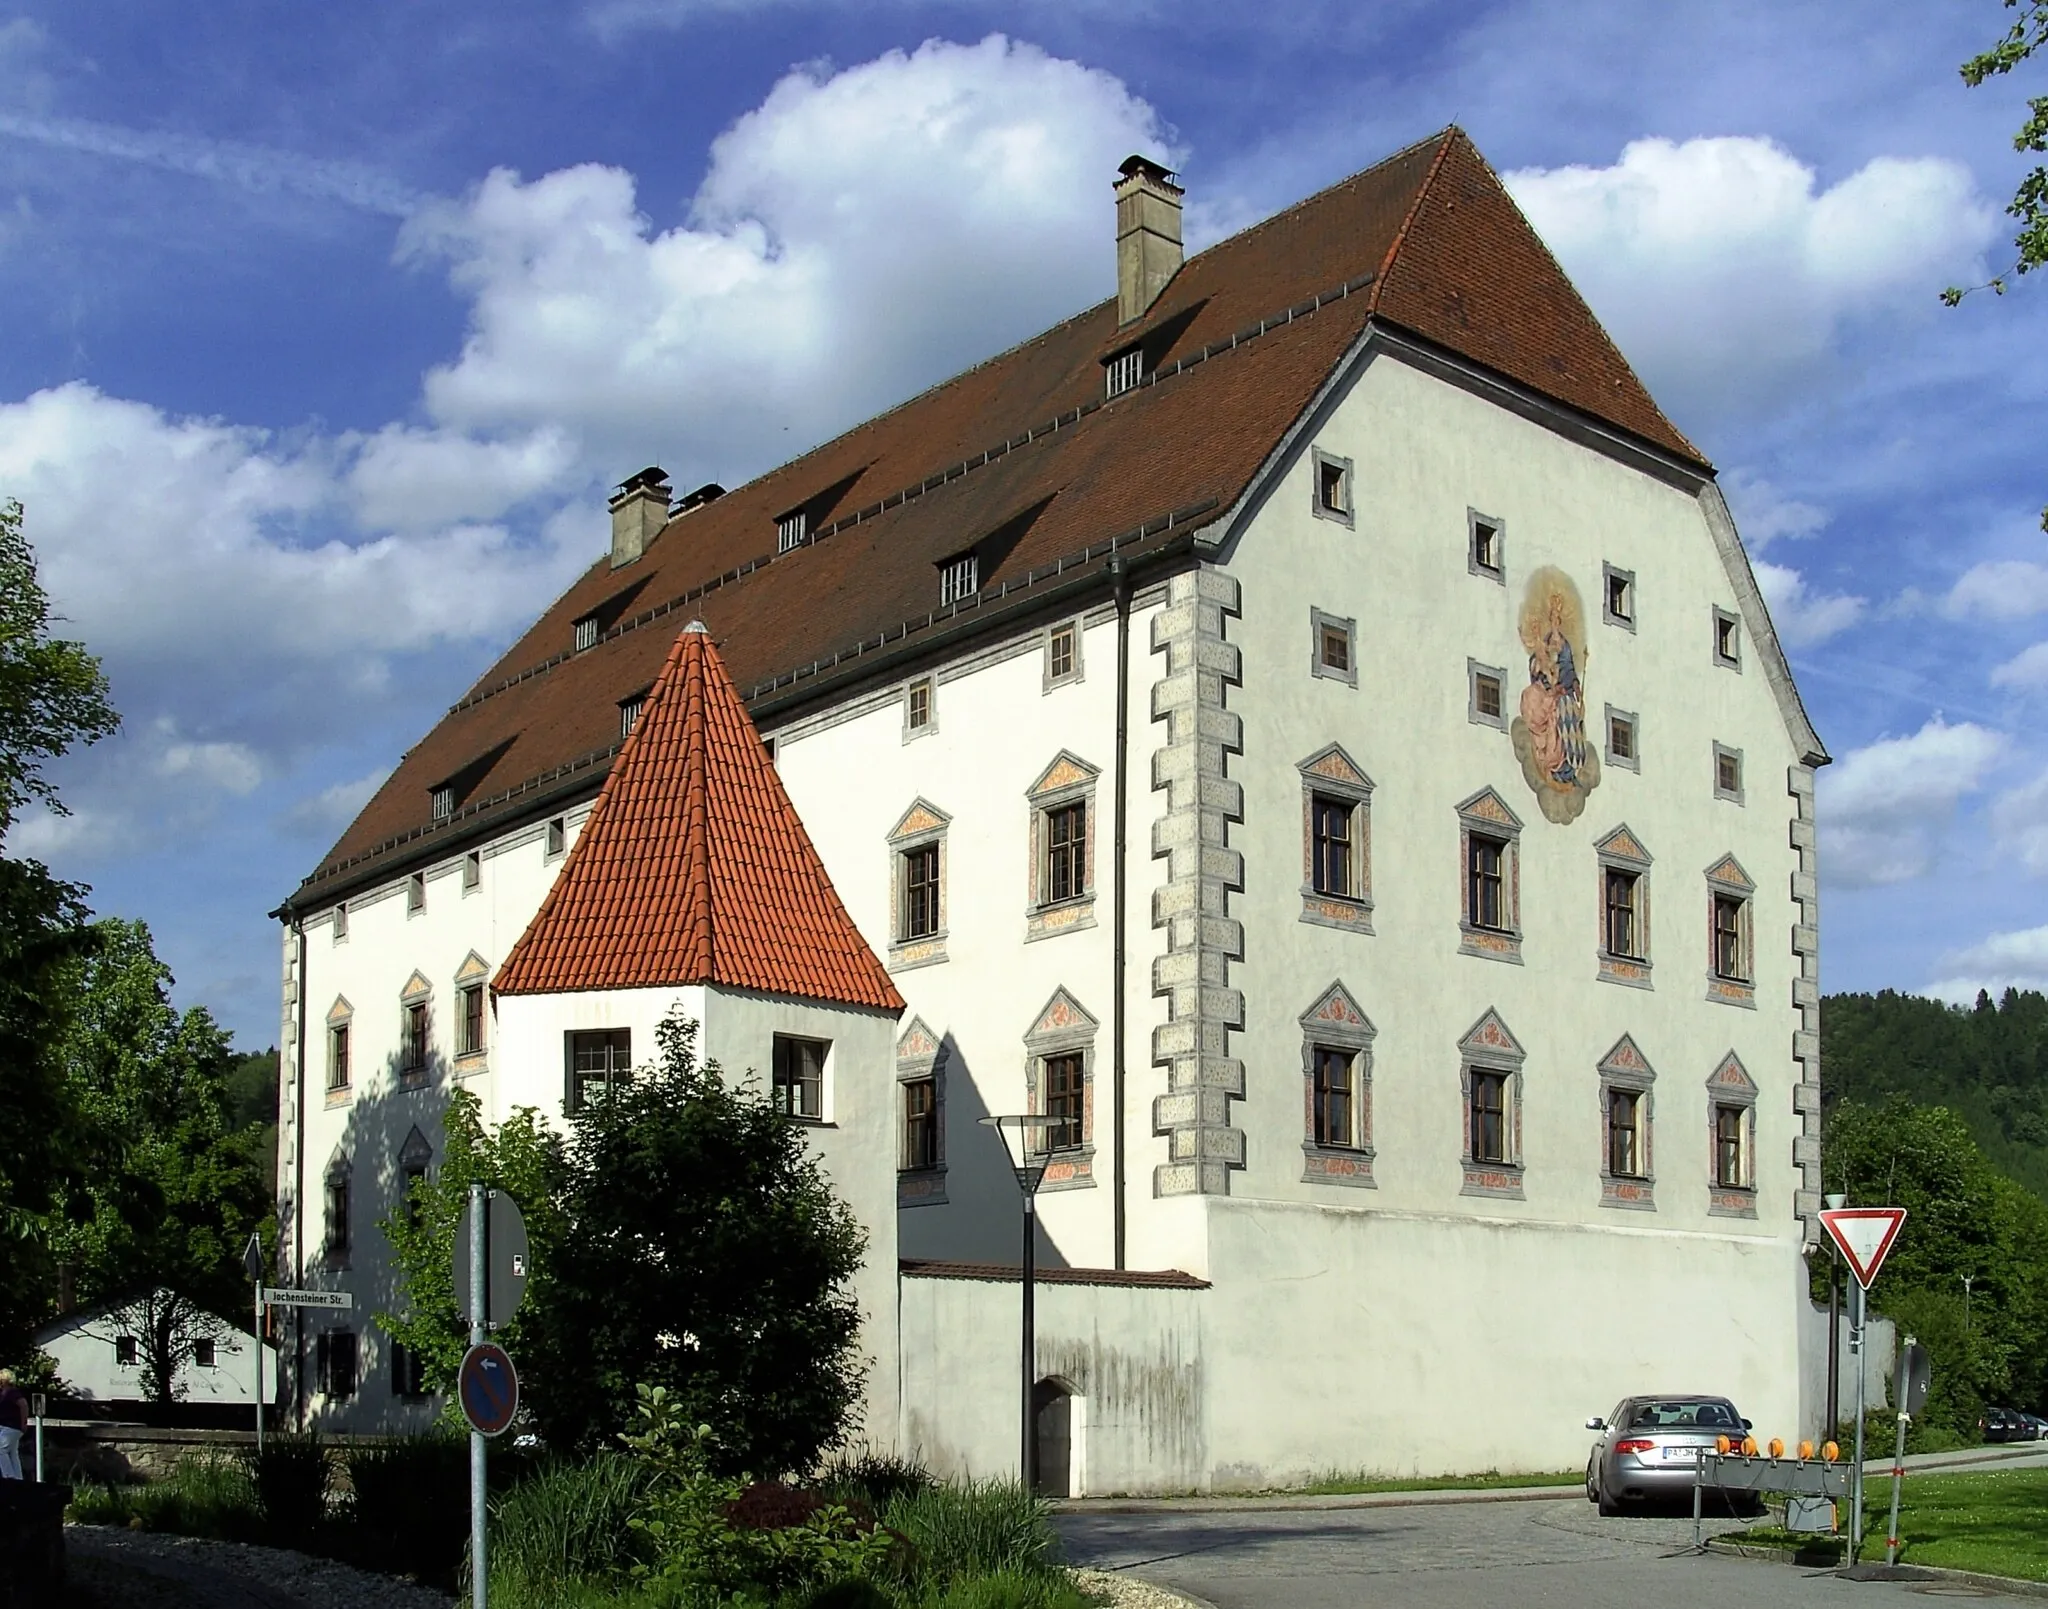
point(1749, 1446)
point(1830, 1451)
point(1721, 1445)
point(1805, 1451)
point(1777, 1447)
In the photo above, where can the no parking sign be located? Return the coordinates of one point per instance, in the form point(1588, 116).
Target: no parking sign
point(488, 1387)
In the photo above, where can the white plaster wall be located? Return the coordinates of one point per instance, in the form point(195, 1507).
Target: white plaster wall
point(1134, 1356)
point(85, 1360)
point(1424, 452)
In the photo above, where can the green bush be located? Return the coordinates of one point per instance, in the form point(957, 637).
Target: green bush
point(958, 1532)
point(567, 1525)
point(210, 1497)
point(410, 1503)
point(291, 1476)
point(872, 1478)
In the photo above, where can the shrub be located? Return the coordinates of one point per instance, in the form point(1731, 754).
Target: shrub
point(876, 1479)
point(568, 1525)
point(411, 1503)
point(975, 1528)
point(290, 1477)
point(210, 1497)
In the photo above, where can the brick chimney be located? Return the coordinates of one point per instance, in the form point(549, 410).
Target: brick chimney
point(639, 510)
point(1148, 251)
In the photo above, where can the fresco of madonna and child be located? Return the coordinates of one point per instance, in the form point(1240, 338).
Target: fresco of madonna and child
point(1559, 761)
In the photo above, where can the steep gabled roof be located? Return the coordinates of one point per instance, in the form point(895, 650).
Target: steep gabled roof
point(693, 867)
point(1023, 457)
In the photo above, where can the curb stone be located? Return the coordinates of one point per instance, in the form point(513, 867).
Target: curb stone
point(1079, 1506)
point(1130, 1592)
point(2011, 1585)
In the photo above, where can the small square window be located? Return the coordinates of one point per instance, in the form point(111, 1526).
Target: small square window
point(415, 893)
point(557, 836)
point(1486, 694)
point(1336, 647)
point(1486, 551)
point(917, 708)
point(127, 1351)
point(202, 1353)
point(1618, 603)
point(1333, 647)
point(599, 1059)
point(1727, 773)
point(629, 714)
point(1333, 499)
point(798, 1087)
point(472, 871)
point(341, 921)
point(1621, 739)
point(443, 802)
point(792, 529)
point(1727, 640)
point(1123, 372)
point(586, 633)
point(1059, 653)
point(959, 578)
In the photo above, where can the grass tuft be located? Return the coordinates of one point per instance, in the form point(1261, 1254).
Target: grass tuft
point(1492, 1480)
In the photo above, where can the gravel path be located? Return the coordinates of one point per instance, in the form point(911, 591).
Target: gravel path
point(117, 1569)
point(1127, 1592)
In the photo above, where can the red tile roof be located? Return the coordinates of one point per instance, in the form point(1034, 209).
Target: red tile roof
point(1023, 456)
point(693, 866)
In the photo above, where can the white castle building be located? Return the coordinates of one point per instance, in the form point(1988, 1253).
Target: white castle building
point(1305, 726)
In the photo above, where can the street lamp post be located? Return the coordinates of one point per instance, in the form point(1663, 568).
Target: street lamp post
point(1028, 1154)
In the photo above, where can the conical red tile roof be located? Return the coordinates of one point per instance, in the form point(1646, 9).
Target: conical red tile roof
point(694, 867)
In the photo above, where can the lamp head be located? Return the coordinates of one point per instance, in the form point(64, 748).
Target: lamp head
point(1024, 1140)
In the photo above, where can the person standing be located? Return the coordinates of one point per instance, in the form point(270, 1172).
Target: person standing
point(13, 1421)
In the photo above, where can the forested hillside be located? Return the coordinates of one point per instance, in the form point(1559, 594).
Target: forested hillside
point(1987, 1063)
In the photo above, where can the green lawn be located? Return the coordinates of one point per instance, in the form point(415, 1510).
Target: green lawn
point(1996, 1522)
point(1491, 1480)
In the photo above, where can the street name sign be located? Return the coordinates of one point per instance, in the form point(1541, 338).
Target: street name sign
point(276, 1296)
point(488, 1387)
point(1865, 1235)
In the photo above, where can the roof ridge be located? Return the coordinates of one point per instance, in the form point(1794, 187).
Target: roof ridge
point(1422, 190)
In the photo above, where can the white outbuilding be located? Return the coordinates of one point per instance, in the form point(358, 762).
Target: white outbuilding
point(99, 1353)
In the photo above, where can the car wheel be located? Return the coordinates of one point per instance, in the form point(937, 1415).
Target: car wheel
point(1607, 1506)
point(1592, 1483)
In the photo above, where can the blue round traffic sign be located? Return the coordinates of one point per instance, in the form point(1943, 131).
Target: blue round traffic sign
point(488, 1388)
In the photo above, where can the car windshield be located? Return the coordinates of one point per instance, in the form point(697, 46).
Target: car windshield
point(1684, 1413)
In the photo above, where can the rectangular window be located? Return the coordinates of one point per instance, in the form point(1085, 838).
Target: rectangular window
point(1123, 372)
point(1333, 1116)
point(799, 1080)
point(1727, 639)
point(1063, 1102)
point(917, 706)
point(337, 1056)
point(1486, 883)
point(412, 1048)
point(1623, 912)
point(1727, 773)
point(1624, 1113)
point(415, 893)
point(472, 871)
point(1621, 597)
point(1066, 852)
point(127, 1353)
point(920, 1124)
point(1621, 737)
point(959, 578)
point(1333, 486)
point(1486, 695)
point(557, 836)
point(586, 633)
point(469, 1040)
point(1335, 647)
point(408, 1372)
point(203, 1353)
point(336, 1364)
point(1489, 1117)
point(341, 921)
point(1331, 859)
point(1731, 960)
point(1059, 653)
point(337, 1205)
point(792, 529)
point(599, 1059)
point(410, 1180)
point(443, 802)
point(1486, 552)
point(921, 891)
point(629, 715)
point(1728, 1159)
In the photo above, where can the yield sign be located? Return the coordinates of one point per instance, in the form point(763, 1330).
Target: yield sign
point(1865, 1234)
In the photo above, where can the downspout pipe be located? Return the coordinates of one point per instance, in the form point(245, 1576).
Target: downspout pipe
point(1119, 1210)
point(298, 1176)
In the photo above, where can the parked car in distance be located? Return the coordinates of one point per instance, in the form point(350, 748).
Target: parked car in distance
point(1649, 1447)
point(2005, 1424)
point(2037, 1424)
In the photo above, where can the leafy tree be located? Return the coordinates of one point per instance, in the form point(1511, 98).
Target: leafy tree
point(2028, 33)
point(168, 1187)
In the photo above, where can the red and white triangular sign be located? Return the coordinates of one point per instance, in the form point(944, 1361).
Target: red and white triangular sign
point(1865, 1234)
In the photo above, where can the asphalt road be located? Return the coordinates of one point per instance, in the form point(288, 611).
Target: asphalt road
point(1532, 1554)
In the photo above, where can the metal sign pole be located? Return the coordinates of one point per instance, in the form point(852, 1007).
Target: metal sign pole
point(1857, 1344)
point(1891, 1534)
point(479, 1563)
point(259, 1368)
point(42, 1407)
point(1030, 1458)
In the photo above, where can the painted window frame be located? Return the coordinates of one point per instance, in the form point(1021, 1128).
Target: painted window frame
point(1726, 880)
point(472, 993)
point(1332, 774)
point(1336, 1024)
point(1474, 714)
point(1325, 466)
point(921, 1059)
point(1069, 780)
point(1321, 624)
point(1496, 572)
point(1625, 1070)
point(1621, 851)
point(1487, 815)
point(1489, 1049)
point(1731, 1089)
point(1609, 575)
point(922, 827)
point(1064, 1027)
point(340, 1052)
point(415, 1032)
point(1633, 760)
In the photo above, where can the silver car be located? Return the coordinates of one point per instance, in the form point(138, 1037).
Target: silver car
point(1649, 1447)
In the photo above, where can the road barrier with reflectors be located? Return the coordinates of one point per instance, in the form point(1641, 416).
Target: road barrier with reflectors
point(1733, 1467)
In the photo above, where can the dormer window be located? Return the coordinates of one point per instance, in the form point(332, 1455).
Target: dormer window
point(629, 714)
point(442, 801)
point(1123, 372)
point(959, 578)
point(586, 633)
point(792, 530)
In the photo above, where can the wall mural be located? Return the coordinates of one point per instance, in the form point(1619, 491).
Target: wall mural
point(1559, 760)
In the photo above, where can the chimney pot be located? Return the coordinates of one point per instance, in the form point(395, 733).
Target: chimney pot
point(1148, 244)
point(639, 509)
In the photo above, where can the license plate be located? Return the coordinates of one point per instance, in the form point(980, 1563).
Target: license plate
point(1690, 1455)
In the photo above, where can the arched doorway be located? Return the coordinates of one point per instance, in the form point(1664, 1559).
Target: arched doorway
point(1053, 1425)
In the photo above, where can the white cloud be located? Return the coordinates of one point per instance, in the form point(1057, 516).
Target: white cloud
point(1880, 807)
point(325, 813)
point(2025, 672)
point(2019, 818)
point(1766, 264)
point(1803, 619)
point(227, 767)
point(1764, 514)
point(856, 237)
point(2002, 961)
point(1999, 589)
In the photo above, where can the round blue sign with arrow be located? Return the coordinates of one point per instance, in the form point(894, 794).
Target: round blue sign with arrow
point(488, 1387)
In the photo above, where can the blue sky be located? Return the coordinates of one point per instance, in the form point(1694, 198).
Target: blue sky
point(326, 329)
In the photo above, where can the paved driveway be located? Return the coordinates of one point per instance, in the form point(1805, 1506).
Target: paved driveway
point(1551, 1554)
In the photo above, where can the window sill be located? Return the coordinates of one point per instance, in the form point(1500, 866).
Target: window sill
point(1727, 1201)
point(1490, 943)
point(921, 1187)
point(809, 1122)
point(1353, 915)
point(340, 1097)
point(471, 1065)
point(416, 1078)
point(1635, 1195)
point(1072, 1169)
point(1631, 970)
point(1068, 916)
point(1337, 1164)
point(908, 955)
point(1731, 991)
point(1500, 1180)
